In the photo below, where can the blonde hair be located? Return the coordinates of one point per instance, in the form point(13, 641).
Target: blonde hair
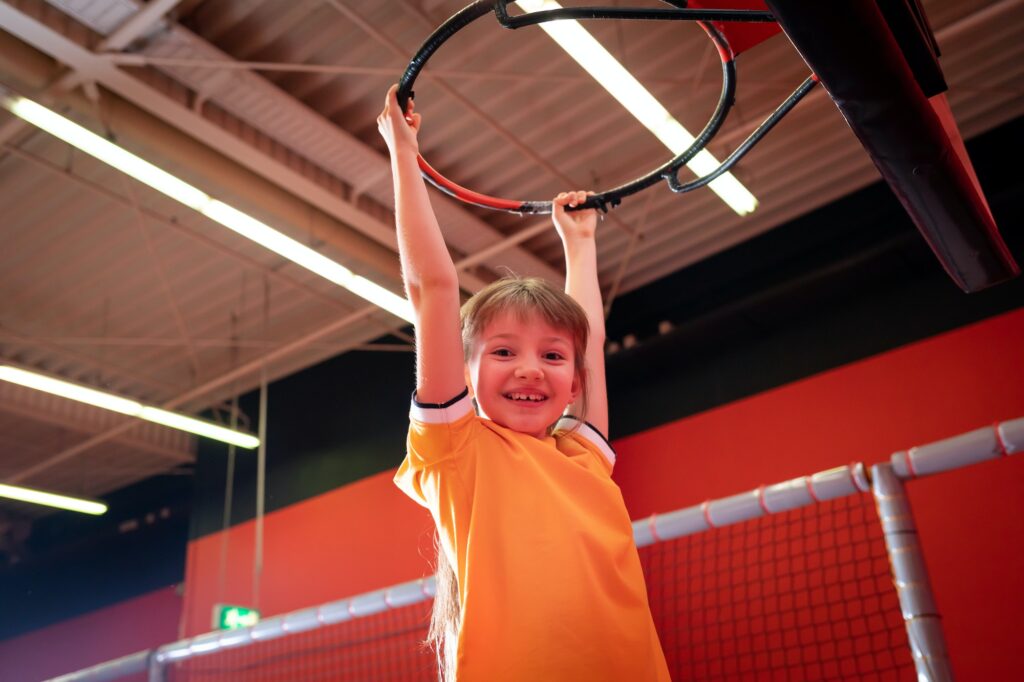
point(524, 297)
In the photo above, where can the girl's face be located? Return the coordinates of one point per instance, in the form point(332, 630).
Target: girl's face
point(522, 373)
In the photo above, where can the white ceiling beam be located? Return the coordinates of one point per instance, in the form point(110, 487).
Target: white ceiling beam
point(26, 403)
point(138, 24)
point(141, 444)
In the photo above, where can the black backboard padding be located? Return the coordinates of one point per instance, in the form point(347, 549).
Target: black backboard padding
point(909, 26)
point(848, 44)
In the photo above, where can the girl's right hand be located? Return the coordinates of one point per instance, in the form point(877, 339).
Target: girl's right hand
point(398, 131)
point(574, 225)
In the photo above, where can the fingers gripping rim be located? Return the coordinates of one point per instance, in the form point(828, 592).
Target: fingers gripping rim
point(612, 197)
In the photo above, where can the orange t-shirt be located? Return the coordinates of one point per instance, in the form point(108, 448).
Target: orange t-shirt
point(550, 583)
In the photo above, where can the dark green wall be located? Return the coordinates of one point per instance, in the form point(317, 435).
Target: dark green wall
point(76, 563)
point(329, 425)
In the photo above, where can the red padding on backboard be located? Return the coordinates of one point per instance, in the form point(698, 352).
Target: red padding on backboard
point(741, 35)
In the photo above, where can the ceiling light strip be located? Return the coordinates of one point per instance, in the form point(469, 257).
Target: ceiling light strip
point(131, 408)
point(638, 101)
point(14, 492)
point(198, 200)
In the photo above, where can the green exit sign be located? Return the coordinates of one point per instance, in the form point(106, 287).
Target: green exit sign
point(228, 617)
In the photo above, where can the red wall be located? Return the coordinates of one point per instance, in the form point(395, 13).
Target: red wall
point(970, 521)
point(367, 535)
point(124, 628)
point(355, 539)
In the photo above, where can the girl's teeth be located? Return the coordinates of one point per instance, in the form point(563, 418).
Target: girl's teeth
point(520, 396)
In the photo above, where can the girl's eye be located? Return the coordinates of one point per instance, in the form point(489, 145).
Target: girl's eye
point(554, 356)
point(502, 352)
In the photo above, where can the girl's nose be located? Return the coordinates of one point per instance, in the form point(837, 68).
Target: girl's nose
point(529, 372)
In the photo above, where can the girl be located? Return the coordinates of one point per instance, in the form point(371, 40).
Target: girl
point(547, 582)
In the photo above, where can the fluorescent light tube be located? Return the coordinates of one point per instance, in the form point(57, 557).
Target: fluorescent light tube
point(66, 389)
point(235, 220)
point(631, 94)
point(13, 492)
point(108, 401)
point(198, 427)
point(300, 254)
point(106, 151)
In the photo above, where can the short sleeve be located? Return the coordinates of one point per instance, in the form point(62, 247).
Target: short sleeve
point(438, 433)
point(586, 435)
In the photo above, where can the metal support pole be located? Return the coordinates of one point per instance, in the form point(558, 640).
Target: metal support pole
point(924, 629)
point(157, 671)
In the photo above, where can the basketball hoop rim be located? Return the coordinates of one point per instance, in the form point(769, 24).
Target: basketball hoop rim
point(611, 197)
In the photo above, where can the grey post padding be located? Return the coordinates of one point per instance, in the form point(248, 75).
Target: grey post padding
point(798, 492)
point(787, 495)
point(920, 615)
point(734, 509)
point(839, 482)
point(1012, 435)
point(339, 611)
point(990, 442)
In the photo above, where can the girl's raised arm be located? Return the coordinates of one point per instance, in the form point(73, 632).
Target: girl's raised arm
point(431, 282)
point(577, 230)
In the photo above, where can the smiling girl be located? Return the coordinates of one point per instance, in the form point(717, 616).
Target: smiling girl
point(538, 577)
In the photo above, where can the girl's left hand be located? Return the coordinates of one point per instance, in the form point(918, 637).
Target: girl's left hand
point(573, 224)
point(399, 131)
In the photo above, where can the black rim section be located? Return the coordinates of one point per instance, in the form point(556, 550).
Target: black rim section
point(668, 171)
point(680, 188)
point(679, 13)
point(454, 24)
